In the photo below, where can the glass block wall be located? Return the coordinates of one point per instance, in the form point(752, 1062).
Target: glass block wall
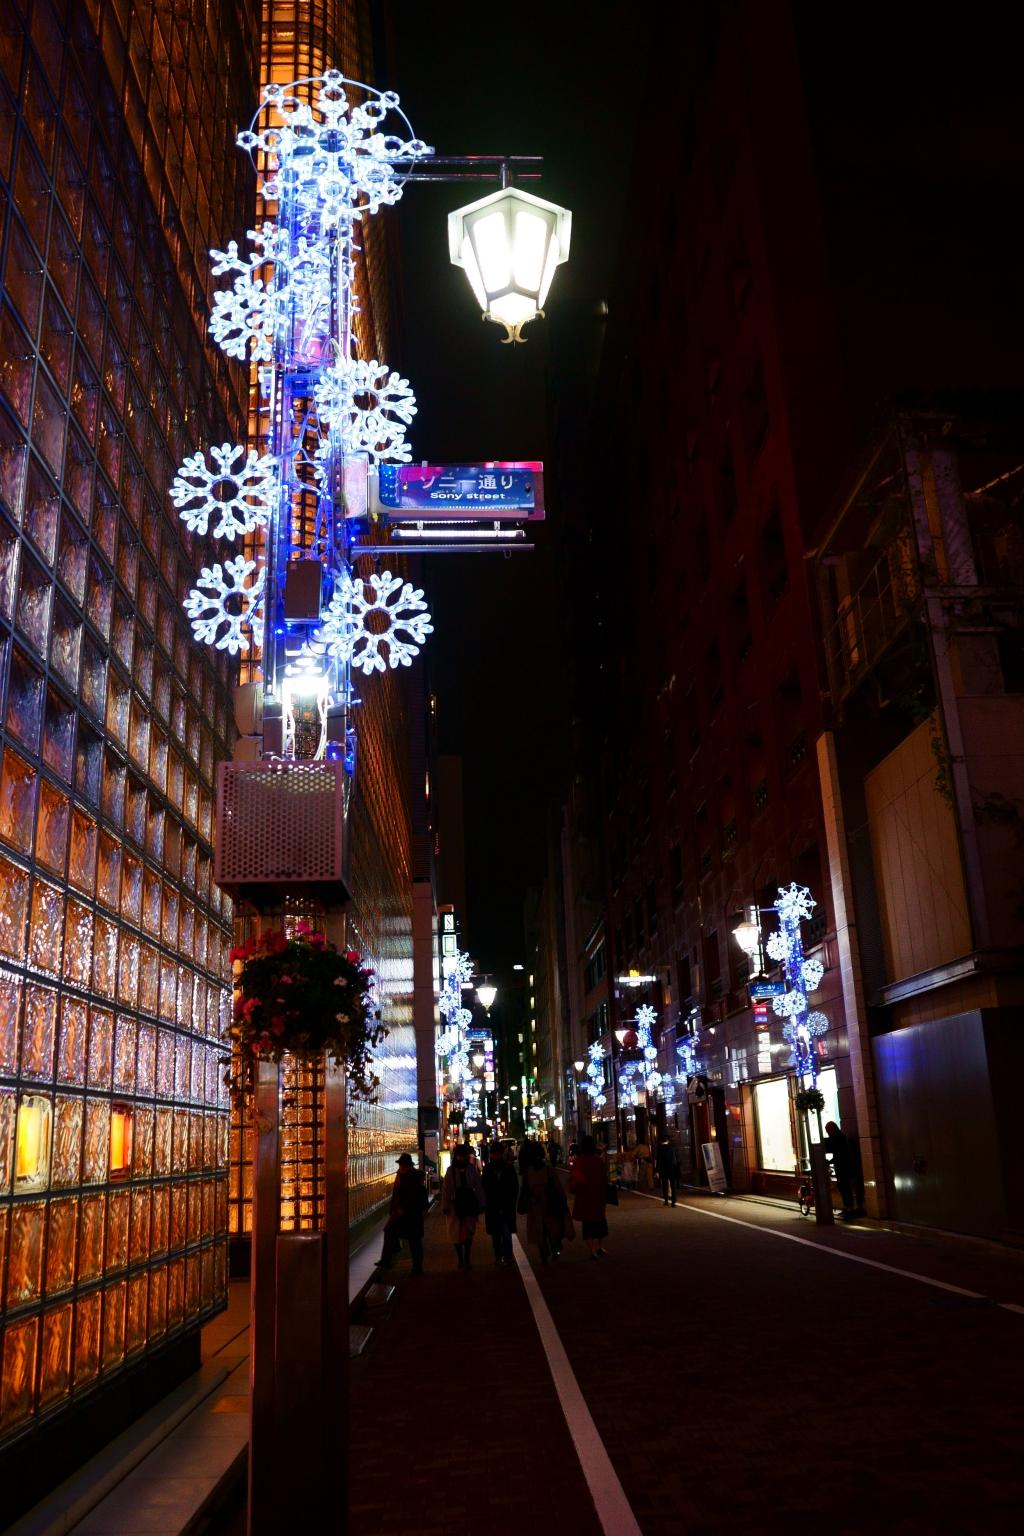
point(116, 175)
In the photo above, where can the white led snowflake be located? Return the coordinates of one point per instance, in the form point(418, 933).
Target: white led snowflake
point(295, 292)
point(789, 1004)
point(645, 1017)
point(794, 902)
point(816, 1023)
point(330, 158)
point(369, 406)
point(364, 615)
point(238, 490)
point(224, 603)
point(811, 973)
point(778, 945)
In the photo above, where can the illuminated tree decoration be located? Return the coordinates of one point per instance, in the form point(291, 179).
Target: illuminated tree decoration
point(357, 625)
point(225, 604)
point(239, 495)
point(795, 904)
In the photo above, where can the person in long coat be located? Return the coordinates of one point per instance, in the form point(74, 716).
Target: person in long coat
point(409, 1200)
point(501, 1192)
point(589, 1181)
point(462, 1200)
point(548, 1222)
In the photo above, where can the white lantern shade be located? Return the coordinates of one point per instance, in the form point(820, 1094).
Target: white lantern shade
point(486, 995)
point(509, 245)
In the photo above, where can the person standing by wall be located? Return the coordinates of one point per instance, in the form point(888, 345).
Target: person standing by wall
point(589, 1181)
point(462, 1198)
point(409, 1200)
point(668, 1169)
point(501, 1192)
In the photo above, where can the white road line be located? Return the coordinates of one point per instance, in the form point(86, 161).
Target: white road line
point(1010, 1306)
point(836, 1253)
point(613, 1512)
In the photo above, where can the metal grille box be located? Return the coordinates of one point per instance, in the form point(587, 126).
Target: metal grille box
point(281, 831)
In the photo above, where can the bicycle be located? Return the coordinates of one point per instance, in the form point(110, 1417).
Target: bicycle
point(805, 1193)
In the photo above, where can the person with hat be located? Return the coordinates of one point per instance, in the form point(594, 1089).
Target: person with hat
point(409, 1200)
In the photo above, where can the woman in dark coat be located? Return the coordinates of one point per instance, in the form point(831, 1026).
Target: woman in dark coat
point(501, 1192)
point(589, 1181)
point(462, 1198)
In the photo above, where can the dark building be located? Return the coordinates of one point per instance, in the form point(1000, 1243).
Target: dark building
point(824, 225)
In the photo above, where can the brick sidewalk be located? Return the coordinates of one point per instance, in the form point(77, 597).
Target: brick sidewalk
point(456, 1430)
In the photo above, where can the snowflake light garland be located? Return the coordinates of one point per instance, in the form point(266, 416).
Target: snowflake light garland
point(225, 603)
point(794, 905)
point(240, 495)
point(374, 430)
point(356, 626)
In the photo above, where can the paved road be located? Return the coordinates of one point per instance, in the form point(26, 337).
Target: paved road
point(738, 1380)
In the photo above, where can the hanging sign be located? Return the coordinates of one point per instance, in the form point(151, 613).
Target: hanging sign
point(503, 489)
point(759, 989)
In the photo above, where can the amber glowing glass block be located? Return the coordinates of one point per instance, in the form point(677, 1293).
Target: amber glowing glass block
point(55, 1368)
point(17, 1386)
point(87, 1338)
point(62, 1219)
point(25, 1253)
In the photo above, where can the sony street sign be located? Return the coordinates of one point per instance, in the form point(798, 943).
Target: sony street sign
point(512, 489)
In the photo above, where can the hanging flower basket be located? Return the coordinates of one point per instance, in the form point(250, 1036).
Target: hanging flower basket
point(300, 995)
point(810, 1098)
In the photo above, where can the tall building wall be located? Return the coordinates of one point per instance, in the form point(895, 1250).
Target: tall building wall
point(116, 176)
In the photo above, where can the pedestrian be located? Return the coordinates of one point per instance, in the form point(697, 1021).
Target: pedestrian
point(501, 1194)
point(462, 1199)
point(589, 1180)
point(554, 1151)
point(668, 1169)
point(846, 1166)
point(542, 1201)
point(409, 1200)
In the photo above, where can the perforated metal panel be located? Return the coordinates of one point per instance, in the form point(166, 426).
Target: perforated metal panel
point(281, 830)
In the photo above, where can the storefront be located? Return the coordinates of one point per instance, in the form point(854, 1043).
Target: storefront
point(776, 1130)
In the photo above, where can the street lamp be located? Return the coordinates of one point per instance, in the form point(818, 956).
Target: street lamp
point(748, 933)
point(486, 995)
point(509, 244)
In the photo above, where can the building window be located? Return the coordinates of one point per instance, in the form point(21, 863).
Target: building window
point(773, 1116)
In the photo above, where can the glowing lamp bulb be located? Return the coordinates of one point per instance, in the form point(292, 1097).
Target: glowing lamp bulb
point(509, 244)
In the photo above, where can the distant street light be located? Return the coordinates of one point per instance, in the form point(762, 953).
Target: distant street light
point(486, 995)
point(579, 1065)
point(748, 933)
point(509, 244)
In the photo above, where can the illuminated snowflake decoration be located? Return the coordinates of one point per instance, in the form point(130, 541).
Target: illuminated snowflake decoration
point(226, 603)
point(645, 1018)
point(328, 158)
point(789, 1003)
point(237, 491)
point(810, 974)
point(777, 945)
point(690, 1064)
point(795, 902)
point(294, 292)
point(595, 1073)
point(365, 615)
point(369, 406)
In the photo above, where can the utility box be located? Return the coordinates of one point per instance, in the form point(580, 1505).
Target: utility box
point(281, 832)
point(303, 589)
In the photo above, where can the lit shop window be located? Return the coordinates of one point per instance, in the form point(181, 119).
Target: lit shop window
point(32, 1144)
point(776, 1143)
point(830, 1092)
point(120, 1141)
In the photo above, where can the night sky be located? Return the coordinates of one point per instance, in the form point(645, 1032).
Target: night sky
point(497, 655)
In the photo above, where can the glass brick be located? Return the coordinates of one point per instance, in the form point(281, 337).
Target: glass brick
point(10, 1018)
point(118, 1206)
point(114, 780)
point(52, 828)
point(118, 701)
point(161, 1218)
point(62, 1219)
point(8, 1120)
point(192, 1285)
point(87, 1338)
point(175, 1293)
point(84, 846)
point(128, 970)
point(108, 871)
point(97, 1141)
point(197, 1084)
point(165, 1064)
point(179, 1149)
point(162, 1141)
point(195, 1211)
point(17, 802)
point(206, 1260)
point(146, 1068)
point(66, 644)
point(104, 968)
point(42, 504)
point(185, 1014)
point(32, 610)
point(9, 550)
point(169, 925)
point(141, 1205)
point(158, 1302)
point(59, 722)
point(142, 1142)
point(78, 924)
point(101, 1047)
point(151, 903)
point(19, 1373)
point(39, 1032)
point(135, 1334)
point(91, 1224)
point(16, 365)
point(168, 989)
point(72, 555)
point(124, 1054)
point(25, 1253)
point(179, 1216)
point(182, 1067)
point(13, 480)
point(88, 764)
point(55, 1364)
point(46, 926)
point(113, 1324)
point(74, 1019)
point(66, 1167)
